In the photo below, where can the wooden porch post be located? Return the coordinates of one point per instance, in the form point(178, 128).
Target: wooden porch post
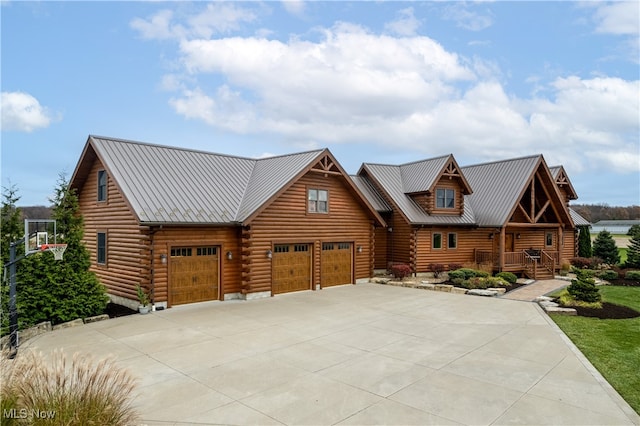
point(501, 244)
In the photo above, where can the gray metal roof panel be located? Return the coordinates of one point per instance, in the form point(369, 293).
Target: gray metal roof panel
point(174, 185)
point(578, 220)
point(420, 176)
point(390, 178)
point(497, 186)
point(269, 175)
point(371, 194)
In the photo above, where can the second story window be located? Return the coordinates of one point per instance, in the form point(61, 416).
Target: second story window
point(445, 198)
point(318, 201)
point(102, 185)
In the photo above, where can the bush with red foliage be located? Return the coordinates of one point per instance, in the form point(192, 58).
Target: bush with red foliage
point(437, 269)
point(400, 270)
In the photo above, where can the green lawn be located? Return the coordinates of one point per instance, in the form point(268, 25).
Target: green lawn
point(612, 346)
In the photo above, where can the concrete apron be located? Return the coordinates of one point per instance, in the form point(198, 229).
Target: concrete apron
point(356, 354)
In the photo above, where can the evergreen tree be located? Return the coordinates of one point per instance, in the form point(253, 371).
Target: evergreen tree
point(60, 291)
point(633, 252)
point(11, 226)
point(605, 248)
point(584, 242)
point(584, 289)
point(11, 230)
point(634, 230)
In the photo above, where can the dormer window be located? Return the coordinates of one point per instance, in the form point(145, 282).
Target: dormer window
point(445, 198)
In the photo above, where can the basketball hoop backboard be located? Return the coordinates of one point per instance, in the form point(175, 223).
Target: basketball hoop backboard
point(39, 233)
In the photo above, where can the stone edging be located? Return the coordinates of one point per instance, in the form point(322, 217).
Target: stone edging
point(45, 327)
point(446, 288)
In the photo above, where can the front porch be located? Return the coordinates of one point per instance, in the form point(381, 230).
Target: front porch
point(533, 263)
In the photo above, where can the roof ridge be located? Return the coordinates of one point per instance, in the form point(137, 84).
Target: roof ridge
point(291, 154)
point(410, 162)
point(503, 161)
point(172, 147)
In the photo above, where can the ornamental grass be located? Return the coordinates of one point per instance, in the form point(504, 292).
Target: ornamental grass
point(55, 391)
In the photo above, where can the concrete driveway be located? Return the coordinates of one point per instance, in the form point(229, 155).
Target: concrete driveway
point(352, 355)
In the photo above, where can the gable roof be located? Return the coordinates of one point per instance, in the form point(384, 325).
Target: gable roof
point(165, 184)
point(497, 188)
point(396, 182)
point(562, 180)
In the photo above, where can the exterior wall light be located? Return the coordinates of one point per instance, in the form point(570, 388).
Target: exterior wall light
point(491, 236)
point(269, 254)
point(518, 236)
point(229, 255)
point(359, 249)
point(163, 259)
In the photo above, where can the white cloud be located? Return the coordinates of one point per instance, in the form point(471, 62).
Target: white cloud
point(216, 18)
point(294, 7)
point(620, 17)
point(22, 112)
point(354, 86)
point(463, 15)
point(405, 24)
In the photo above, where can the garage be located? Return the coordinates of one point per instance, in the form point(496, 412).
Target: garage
point(194, 274)
point(291, 265)
point(336, 264)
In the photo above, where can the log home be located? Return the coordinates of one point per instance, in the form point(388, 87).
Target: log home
point(192, 226)
point(510, 215)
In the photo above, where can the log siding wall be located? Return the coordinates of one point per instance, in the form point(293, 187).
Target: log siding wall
point(127, 255)
point(286, 220)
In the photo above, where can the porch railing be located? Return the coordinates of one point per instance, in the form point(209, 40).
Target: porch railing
point(527, 261)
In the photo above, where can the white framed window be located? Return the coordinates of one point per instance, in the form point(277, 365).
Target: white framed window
point(445, 198)
point(318, 200)
point(436, 241)
point(102, 185)
point(452, 240)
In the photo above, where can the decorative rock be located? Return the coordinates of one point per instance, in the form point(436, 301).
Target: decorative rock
point(543, 299)
point(548, 304)
point(443, 287)
point(427, 286)
point(459, 290)
point(97, 318)
point(559, 310)
point(69, 324)
point(379, 280)
point(486, 293)
point(499, 290)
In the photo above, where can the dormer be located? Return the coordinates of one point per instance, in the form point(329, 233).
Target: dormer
point(437, 186)
point(563, 183)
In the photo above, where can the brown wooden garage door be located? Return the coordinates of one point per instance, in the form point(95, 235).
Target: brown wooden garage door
point(291, 265)
point(194, 274)
point(336, 264)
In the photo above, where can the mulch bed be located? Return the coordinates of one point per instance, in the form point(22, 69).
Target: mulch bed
point(608, 311)
point(115, 311)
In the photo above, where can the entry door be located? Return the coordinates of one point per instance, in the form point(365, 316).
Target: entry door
point(291, 268)
point(336, 264)
point(508, 243)
point(194, 274)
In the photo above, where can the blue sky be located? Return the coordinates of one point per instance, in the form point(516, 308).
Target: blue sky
point(383, 82)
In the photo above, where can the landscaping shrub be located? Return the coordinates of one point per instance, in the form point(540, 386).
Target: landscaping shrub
point(633, 251)
point(607, 274)
point(471, 273)
point(584, 288)
point(586, 262)
point(400, 270)
point(632, 275)
point(82, 392)
point(508, 277)
point(437, 269)
point(584, 242)
point(497, 281)
point(604, 247)
point(458, 274)
point(474, 283)
point(454, 266)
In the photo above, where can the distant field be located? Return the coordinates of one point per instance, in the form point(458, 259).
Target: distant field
point(622, 241)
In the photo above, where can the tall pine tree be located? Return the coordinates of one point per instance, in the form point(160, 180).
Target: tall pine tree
point(633, 252)
point(605, 248)
point(11, 231)
point(584, 242)
point(60, 291)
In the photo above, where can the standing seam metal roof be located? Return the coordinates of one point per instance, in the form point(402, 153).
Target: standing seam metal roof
point(175, 185)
